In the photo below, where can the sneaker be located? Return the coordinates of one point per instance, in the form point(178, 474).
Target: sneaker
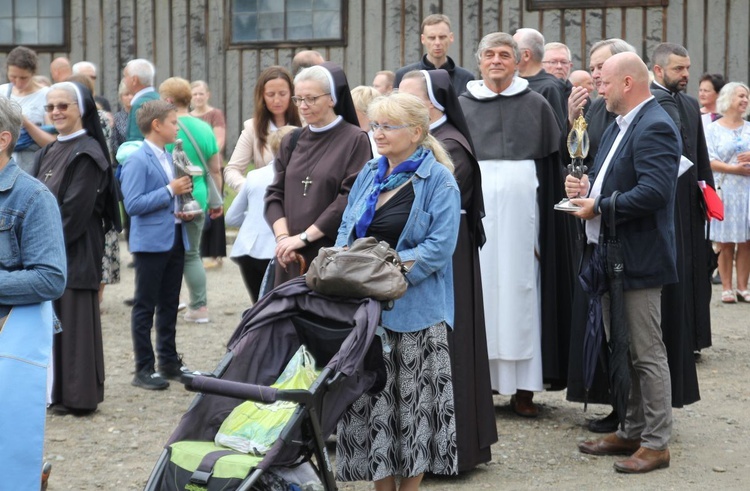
point(150, 380)
point(197, 316)
point(181, 306)
point(173, 371)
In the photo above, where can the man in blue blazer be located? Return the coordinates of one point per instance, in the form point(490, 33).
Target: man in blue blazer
point(639, 157)
point(157, 242)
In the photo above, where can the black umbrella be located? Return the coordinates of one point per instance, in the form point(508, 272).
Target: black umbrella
point(619, 374)
point(593, 280)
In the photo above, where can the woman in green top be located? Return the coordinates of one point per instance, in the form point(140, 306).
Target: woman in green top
point(194, 132)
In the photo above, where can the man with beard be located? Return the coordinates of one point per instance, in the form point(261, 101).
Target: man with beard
point(687, 327)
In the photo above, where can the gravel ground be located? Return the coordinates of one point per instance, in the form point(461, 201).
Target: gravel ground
point(116, 447)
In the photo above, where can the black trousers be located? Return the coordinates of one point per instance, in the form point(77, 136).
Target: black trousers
point(158, 279)
point(252, 271)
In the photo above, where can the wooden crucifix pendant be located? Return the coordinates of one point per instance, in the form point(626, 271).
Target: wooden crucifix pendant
point(306, 183)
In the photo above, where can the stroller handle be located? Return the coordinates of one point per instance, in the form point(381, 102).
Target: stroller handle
point(238, 390)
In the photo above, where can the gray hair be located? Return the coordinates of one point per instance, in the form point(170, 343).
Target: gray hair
point(82, 65)
point(725, 97)
point(556, 45)
point(317, 74)
point(143, 69)
point(10, 120)
point(72, 90)
point(495, 39)
point(532, 40)
point(615, 45)
point(664, 51)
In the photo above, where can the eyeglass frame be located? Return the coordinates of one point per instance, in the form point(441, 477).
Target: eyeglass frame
point(558, 63)
point(297, 101)
point(62, 107)
point(387, 128)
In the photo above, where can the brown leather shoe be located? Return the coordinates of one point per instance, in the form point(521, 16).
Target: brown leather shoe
point(523, 404)
point(644, 460)
point(610, 445)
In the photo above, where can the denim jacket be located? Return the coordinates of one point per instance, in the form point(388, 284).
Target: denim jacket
point(429, 239)
point(32, 248)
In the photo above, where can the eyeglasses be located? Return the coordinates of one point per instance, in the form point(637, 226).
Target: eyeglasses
point(309, 101)
point(556, 63)
point(387, 127)
point(63, 106)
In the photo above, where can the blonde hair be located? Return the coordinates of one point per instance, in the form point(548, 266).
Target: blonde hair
point(724, 101)
point(362, 96)
point(408, 109)
point(274, 139)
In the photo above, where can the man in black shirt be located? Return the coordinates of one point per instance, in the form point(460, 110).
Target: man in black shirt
point(436, 38)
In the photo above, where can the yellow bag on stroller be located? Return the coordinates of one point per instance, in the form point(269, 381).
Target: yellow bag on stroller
point(253, 427)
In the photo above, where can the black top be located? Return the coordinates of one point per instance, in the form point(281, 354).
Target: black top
point(390, 219)
point(459, 76)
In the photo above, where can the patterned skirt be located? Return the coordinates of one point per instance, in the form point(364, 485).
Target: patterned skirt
point(409, 428)
point(111, 258)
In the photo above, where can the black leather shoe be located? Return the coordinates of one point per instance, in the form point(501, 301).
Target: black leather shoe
point(173, 371)
point(150, 380)
point(607, 424)
point(129, 301)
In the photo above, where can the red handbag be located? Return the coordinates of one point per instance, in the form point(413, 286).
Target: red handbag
point(714, 205)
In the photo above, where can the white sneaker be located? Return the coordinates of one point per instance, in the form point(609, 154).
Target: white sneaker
point(198, 316)
point(181, 306)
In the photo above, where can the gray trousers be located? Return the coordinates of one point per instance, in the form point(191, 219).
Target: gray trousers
point(649, 414)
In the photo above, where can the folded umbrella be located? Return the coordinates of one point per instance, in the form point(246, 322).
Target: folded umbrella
point(619, 374)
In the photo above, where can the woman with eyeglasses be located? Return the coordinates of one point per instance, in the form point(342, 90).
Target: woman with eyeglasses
point(315, 168)
point(76, 169)
point(728, 142)
point(475, 413)
point(408, 198)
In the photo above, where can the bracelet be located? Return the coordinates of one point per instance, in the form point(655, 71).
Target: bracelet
point(281, 237)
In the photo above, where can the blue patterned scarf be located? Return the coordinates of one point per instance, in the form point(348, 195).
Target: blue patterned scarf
point(402, 173)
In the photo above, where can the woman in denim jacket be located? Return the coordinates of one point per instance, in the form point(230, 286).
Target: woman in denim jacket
point(32, 270)
point(409, 198)
point(32, 250)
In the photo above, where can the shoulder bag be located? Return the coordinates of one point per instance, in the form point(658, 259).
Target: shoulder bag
point(367, 269)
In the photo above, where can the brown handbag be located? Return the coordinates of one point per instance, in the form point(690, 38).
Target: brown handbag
point(367, 269)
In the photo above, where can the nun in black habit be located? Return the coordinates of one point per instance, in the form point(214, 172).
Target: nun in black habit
point(476, 430)
point(77, 170)
point(306, 200)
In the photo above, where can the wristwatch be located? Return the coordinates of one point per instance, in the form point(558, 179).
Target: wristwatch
point(303, 238)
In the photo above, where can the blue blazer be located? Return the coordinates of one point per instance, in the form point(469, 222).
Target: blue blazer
point(149, 203)
point(644, 169)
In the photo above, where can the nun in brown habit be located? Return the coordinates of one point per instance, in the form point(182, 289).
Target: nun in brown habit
point(306, 200)
point(475, 413)
point(76, 169)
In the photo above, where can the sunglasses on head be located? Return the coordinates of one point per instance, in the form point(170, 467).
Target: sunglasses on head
point(63, 106)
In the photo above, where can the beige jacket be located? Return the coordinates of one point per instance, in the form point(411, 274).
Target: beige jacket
point(245, 151)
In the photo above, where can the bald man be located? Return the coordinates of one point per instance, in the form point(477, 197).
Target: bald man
point(639, 157)
point(306, 59)
point(60, 69)
point(582, 78)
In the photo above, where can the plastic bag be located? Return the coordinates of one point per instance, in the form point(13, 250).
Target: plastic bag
point(253, 427)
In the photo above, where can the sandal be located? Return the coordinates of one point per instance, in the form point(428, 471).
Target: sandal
point(743, 295)
point(728, 296)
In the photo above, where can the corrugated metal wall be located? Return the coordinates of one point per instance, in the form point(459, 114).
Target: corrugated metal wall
point(188, 38)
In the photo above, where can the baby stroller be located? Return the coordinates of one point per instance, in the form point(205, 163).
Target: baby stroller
point(340, 334)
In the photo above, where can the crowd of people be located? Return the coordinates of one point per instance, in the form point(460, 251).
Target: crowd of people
point(459, 174)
